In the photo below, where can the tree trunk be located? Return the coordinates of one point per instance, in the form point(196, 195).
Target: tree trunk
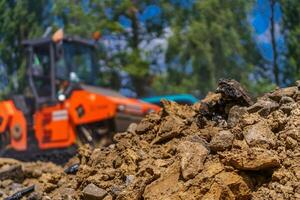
point(273, 42)
point(139, 83)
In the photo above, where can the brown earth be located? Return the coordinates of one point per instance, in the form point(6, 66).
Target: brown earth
point(224, 147)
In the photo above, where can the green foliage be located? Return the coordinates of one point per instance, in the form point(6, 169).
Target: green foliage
point(215, 39)
point(20, 20)
point(259, 87)
point(291, 31)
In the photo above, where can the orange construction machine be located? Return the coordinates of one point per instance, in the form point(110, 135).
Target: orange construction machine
point(63, 105)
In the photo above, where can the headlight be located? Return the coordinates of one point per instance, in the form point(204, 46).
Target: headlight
point(121, 108)
point(131, 109)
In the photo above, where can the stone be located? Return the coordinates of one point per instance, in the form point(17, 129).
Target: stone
point(237, 185)
point(193, 155)
point(221, 141)
point(263, 107)
point(181, 111)
point(168, 131)
point(165, 186)
point(231, 89)
point(132, 128)
point(108, 197)
point(285, 100)
point(68, 193)
point(259, 135)
point(129, 179)
point(279, 93)
point(35, 196)
point(290, 142)
point(13, 172)
point(216, 192)
point(230, 186)
point(144, 126)
point(235, 114)
point(92, 192)
point(254, 159)
point(211, 168)
point(287, 108)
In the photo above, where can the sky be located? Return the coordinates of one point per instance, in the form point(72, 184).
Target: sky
point(259, 19)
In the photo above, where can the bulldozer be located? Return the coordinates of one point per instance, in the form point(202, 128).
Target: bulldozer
point(64, 106)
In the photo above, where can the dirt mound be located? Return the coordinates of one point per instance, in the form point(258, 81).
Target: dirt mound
point(224, 147)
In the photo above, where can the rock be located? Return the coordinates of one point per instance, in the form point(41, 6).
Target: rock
point(165, 186)
point(211, 100)
point(218, 192)
point(254, 159)
point(231, 89)
point(228, 185)
point(235, 114)
point(291, 143)
point(6, 183)
point(293, 133)
point(285, 100)
point(240, 144)
point(67, 193)
point(283, 92)
point(168, 131)
point(13, 172)
point(129, 179)
point(287, 104)
point(92, 192)
point(108, 197)
point(211, 168)
point(263, 107)
point(259, 135)
point(193, 155)
point(181, 111)
point(238, 186)
point(35, 196)
point(287, 108)
point(132, 128)
point(1, 193)
point(221, 141)
point(144, 126)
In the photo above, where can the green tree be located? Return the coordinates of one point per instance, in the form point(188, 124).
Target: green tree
point(291, 32)
point(19, 20)
point(211, 39)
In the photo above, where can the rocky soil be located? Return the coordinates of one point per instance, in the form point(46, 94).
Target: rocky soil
point(224, 147)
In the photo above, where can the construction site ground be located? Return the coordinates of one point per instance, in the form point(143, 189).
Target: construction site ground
point(226, 146)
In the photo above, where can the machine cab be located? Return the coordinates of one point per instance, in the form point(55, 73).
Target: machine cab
point(53, 64)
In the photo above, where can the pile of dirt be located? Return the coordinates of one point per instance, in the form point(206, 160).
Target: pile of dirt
point(224, 147)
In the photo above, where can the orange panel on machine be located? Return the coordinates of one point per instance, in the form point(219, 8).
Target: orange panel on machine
point(53, 127)
point(6, 111)
point(86, 107)
point(18, 131)
point(13, 121)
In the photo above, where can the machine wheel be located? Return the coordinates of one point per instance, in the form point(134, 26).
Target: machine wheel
point(4, 142)
point(96, 134)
